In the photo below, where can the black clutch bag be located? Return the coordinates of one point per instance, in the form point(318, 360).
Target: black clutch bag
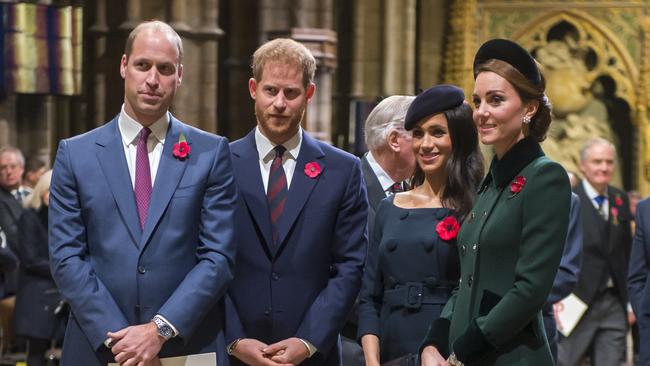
point(409, 359)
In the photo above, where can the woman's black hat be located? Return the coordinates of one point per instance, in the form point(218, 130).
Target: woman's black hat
point(512, 53)
point(432, 101)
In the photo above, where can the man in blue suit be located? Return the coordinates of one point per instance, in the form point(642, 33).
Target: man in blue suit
point(141, 222)
point(301, 224)
point(638, 281)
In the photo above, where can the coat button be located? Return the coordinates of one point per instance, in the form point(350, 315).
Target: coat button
point(142, 270)
point(475, 246)
point(463, 249)
point(275, 276)
point(470, 279)
point(267, 311)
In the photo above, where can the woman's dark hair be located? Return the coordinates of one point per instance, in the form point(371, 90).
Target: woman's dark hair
point(527, 91)
point(465, 165)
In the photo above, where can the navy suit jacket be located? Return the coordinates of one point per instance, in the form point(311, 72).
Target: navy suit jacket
point(113, 273)
point(638, 279)
point(306, 286)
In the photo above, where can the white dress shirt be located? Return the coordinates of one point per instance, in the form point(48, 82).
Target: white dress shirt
point(592, 193)
point(267, 154)
point(130, 131)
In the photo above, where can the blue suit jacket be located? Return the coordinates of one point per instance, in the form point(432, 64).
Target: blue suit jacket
point(638, 281)
point(115, 274)
point(306, 286)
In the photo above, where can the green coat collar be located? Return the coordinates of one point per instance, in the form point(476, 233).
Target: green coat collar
point(504, 170)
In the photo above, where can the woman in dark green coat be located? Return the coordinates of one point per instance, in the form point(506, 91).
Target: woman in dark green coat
point(511, 243)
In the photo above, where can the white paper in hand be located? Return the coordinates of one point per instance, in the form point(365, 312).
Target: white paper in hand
point(568, 313)
point(203, 359)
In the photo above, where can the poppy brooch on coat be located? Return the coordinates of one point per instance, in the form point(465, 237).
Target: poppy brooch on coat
point(517, 185)
point(447, 228)
point(181, 148)
point(312, 170)
point(618, 202)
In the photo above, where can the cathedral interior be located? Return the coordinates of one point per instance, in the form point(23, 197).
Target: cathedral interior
point(60, 64)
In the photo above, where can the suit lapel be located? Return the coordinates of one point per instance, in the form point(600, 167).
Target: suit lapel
point(249, 179)
point(170, 171)
point(375, 190)
point(110, 154)
point(301, 185)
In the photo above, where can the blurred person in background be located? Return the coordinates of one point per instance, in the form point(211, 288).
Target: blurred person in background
point(37, 295)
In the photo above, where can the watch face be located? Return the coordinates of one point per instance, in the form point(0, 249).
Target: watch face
point(165, 331)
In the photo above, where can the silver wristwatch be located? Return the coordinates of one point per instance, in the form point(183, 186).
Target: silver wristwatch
point(164, 329)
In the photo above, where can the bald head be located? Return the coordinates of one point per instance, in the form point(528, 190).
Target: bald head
point(155, 26)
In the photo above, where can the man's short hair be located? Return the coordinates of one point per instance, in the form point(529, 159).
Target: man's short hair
point(155, 25)
point(592, 142)
point(286, 51)
point(13, 150)
point(389, 114)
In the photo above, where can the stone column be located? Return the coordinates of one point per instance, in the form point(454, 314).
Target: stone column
point(399, 47)
point(98, 31)
point(133, 15)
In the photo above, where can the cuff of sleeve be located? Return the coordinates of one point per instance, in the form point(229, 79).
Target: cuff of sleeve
point(310, 347)
point(438, 336)
point(471, 344)
point(168, 323)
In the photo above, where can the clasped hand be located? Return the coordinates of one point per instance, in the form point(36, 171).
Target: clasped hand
point(137, 345)
point(288, 352)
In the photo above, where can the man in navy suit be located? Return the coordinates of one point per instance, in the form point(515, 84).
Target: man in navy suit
point(638, 281)
point(141, 222)
point(301, 224)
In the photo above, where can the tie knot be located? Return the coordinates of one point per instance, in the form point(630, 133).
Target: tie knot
point(396, 188)
point(279, 151)
point(144, 134)
point(600, 199)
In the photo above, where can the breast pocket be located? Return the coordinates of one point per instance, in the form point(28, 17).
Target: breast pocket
point(187, 191)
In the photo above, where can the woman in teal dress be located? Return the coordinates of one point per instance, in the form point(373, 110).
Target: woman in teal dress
point(412, 264)
point(512, 240)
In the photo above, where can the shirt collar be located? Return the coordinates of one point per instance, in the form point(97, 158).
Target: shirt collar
point(265, 146)
point(130, 128)
point(590, 190)
point(385, 180)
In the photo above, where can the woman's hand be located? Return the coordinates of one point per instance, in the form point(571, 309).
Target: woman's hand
point(431, 357)
point(370, 344)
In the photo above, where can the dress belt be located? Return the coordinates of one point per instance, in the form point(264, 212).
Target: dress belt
point(413, 294)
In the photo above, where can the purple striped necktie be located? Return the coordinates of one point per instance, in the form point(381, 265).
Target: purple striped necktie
point(142, 176)
point(277, 191)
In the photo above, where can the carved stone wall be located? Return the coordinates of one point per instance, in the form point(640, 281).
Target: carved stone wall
point(594, 55)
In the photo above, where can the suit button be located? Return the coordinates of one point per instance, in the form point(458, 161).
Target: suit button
point(470, 279)
point(275, 276)
point(463, 249)
point(267, 312)
point(142, 270)
point(474, 247)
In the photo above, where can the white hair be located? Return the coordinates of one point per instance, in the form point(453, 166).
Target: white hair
point(388, 115)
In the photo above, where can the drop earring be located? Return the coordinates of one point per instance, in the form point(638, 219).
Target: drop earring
point(525, 127)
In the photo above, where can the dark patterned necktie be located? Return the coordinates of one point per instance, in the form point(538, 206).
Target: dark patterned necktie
point(142, 176)
point(396, 188)
point(277, 191)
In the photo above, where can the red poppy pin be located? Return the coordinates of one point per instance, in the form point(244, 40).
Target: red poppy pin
point(618, 201)
point(312, 170)
point(517, 185)
point(614, 212)
point(181, 148)
point(447, 228)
